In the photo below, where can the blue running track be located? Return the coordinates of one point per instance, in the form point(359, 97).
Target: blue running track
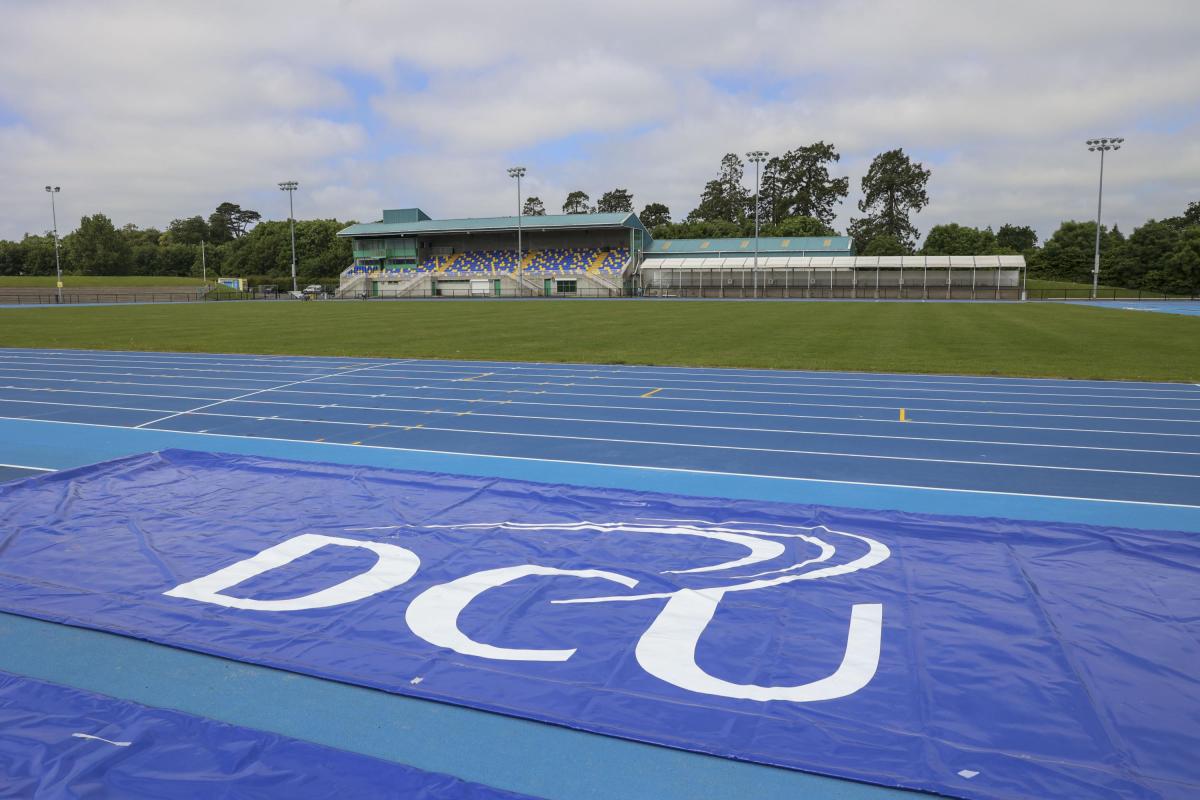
point(1188, 308)
point(1097, 452)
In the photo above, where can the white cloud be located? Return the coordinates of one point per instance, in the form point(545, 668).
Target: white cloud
point(154, 111)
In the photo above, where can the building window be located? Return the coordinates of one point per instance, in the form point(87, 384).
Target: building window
point(565, 287)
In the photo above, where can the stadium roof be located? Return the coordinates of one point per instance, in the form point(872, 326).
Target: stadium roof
point(621, 219)
point(798, 245)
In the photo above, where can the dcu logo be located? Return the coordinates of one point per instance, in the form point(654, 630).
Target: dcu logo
point(775, 555)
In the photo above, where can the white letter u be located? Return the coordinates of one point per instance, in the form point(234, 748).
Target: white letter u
point(667, 650)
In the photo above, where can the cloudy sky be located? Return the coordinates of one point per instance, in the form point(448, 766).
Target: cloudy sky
point(149, 111)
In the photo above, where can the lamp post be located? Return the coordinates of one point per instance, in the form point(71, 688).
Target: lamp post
point(290, 187)
point(203, 264)
point(518, 172)
point(757, 157)
point(1103, 145)
point(53, 190)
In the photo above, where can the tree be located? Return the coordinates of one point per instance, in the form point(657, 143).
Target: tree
point(953, 239)
point(693, 229)
point(577, 203)
point(797, 184)
point(796, 226)
point(533, 207)
point(655, 214)
point(1017, 238)
point(1068, 254)
point(1192, 215)
point(231, 221)
point(1145, 252)
point(893, 189)
point(97, 248)
point(724, 199)
point(34, 255)
point(885, 245)
point(191, 230)
point(615, 201)
point(1184, 264)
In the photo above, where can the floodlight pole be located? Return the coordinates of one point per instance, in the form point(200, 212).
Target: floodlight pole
point(518, 172)
point(203, 264)
point(757, 156)
point(290, 187)
point(53, 190)
point(1103, 145)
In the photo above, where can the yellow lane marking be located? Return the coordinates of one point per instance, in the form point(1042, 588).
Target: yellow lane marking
point(462, 413)
point(652, 392)
point(356, 443)
point(413, 427)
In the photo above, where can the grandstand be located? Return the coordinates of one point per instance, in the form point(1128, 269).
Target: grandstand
point(408, 254)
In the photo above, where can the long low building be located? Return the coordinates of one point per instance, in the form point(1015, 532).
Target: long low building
point(849, 277)
point(409, 254)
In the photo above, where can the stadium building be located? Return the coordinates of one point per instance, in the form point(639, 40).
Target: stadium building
point(409, 254)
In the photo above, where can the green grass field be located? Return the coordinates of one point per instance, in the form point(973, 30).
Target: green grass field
point(94, 281)
point(989, 339)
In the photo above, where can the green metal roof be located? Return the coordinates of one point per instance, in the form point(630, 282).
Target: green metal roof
point(556, 221)
point(811, 245)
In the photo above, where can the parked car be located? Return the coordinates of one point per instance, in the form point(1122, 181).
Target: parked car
point(314, 288)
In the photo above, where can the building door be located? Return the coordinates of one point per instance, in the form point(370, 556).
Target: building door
point(496, 287)
point(547, 287)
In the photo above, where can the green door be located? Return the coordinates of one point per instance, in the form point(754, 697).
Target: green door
point(546, 287)
point(374, 288)
point(496, 287)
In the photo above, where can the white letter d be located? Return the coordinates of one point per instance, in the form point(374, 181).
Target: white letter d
point(395, 566)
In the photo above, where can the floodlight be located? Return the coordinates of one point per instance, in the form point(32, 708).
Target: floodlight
point(290, 187)
point(1103, 144)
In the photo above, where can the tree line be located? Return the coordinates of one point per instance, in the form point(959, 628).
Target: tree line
point(236, 242)
point(798, 196)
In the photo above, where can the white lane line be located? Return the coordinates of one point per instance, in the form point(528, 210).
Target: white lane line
point(475, 413)
point(27, 466)
point(798, 391)
point(614, 440)
point(1186, 390)
point(94, 391)
point(231, 399)
point(640, 370)
point(644, 423)
point(898, 399)
point(501, 378)
point(30, 362)
point(683, 470)
point(136, 375)
point(659, 410)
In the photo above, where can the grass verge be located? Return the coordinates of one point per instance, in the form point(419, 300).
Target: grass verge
point(1035, 339)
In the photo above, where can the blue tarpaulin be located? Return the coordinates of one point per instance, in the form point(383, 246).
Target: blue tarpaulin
point(62, 742)
point(978, 658)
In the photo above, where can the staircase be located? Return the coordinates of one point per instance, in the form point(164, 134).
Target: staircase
point(597, 261)
point(445, 265)
point(527, 260)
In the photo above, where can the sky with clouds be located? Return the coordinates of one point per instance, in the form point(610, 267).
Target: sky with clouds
point(149, 111)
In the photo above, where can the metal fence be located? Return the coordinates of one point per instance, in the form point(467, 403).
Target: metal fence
point(426, 292)
point(1132, 295)
point(112, 297)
